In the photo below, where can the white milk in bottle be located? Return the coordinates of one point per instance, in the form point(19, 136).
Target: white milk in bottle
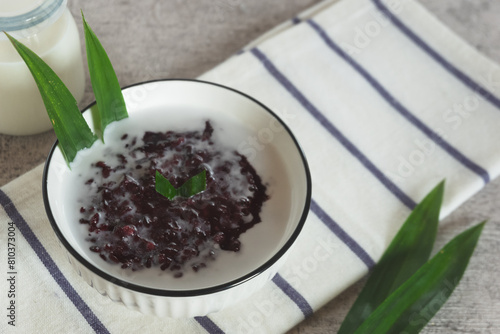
point(47, 28)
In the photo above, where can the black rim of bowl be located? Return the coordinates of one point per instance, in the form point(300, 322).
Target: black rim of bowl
point(193, 292)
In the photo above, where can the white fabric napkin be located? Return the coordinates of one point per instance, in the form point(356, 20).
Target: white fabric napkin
point(385, 101)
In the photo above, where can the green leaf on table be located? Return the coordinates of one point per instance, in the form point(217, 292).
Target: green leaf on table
point(107, 91)
point(194, 185)
point(70, 127)
point(408, 251)
point(415, 302)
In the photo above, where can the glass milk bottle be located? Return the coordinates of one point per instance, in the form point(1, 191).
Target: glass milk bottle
point(47, 28)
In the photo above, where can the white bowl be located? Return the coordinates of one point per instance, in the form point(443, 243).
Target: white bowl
point(246, 125)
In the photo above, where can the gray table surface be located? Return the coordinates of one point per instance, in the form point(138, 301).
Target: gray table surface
point(154, 39)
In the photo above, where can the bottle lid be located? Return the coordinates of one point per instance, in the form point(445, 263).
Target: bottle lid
point(21, 23)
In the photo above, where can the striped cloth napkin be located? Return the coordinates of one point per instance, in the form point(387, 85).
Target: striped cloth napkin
point(385, 101)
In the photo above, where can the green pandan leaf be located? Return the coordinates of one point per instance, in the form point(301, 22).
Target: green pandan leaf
point(409, 308)
point(107, 91)
point(191, 187)
point(69, 125)
point(164, 187)
point(408, 251)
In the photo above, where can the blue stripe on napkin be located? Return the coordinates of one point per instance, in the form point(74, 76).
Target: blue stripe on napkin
point(461, 76)
point(290, 87)
point(51, 266)
point(209, 325)
point(455, 153)
point(293, 294)
point(342, 235)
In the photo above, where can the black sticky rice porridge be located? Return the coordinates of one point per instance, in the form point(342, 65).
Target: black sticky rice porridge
point(132, 225)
